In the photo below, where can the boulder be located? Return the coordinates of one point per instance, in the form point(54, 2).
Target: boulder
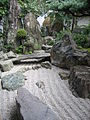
point(13, 81)
point(11, 54)
point(65, 53)
point(3, 56)
point(46, 65)
point(31, 108)
point(80, 81)
point(6, 65)
point(33, 29)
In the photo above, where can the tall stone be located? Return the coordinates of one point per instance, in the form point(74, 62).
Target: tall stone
point(33, 29)
point(13, 21)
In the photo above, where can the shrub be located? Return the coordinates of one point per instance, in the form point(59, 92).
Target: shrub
point(19, 50)
point(80, 39)
point(21, 34)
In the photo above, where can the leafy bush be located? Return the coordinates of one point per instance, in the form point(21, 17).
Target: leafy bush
point(80, 39)
point(8, 47)
point(19, 50)
point(21, 34)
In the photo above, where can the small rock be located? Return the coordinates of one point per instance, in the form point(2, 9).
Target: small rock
point(64, 75)
point(13, 81)
point(46, 65)
point(31, 108)
point(40, 84)
point(36, 67)
point(11, 54)
point(47, 48)
point(3, 56)
point(6, 65)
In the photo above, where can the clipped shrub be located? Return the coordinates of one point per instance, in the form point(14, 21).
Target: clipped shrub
point(21, 34)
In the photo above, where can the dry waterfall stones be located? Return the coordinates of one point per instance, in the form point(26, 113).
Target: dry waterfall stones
point(6, 65)
point(31, 108)
point(13, 81)
point(80, 81)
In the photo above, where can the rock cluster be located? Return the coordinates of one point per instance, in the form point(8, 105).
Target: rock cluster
point(80, 81)
point(65, 54)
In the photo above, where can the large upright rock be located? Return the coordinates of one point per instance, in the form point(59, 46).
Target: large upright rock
point(80, 81)
point(13, 21)
point(33, 28)
point(31, 108)
point(65, 54)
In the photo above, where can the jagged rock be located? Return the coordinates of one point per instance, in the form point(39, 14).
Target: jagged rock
point(46, 65)
point(48, 40)
point(13, 81)
point(80, 81)
point(3, 56)
point(65, 53)
point(64, 75)
point(6, 65)
point(31, 108)
point(33, 29)
point(47, 48)
point(11, 54)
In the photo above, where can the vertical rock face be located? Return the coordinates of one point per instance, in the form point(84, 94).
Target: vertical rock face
point(33, 29)
point(80, 81)
point(65, 53)
point(13, 20)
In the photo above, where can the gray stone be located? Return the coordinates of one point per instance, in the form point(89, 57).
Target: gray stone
point(0, 74)
point(80, 81)
point(13, 81)
point(31, 108)
point(46, 65)
point(65, 53)
point(6, 65)
point(64, 75)
point(11, 54)
point(33, 29)
point(3, 56)
point(46, 47)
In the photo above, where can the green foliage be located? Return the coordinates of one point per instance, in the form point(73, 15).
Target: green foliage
point(30, 52)
point(35, 6)
point(51, 43)
point(19, 50)
point(37, 46)
point(8, 47)
point(68, 6)
point(4, 5)
point(81, 39)
point(21, 34)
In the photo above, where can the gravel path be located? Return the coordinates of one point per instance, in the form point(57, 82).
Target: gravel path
point(51, 90)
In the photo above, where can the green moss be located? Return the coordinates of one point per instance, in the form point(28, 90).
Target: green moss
point(88, 49)
point(21, 34)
